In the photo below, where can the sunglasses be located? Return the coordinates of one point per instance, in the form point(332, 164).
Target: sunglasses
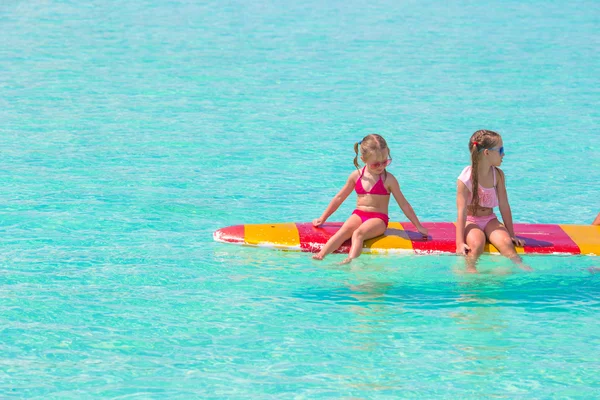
point(500, 150)
point(381, 164)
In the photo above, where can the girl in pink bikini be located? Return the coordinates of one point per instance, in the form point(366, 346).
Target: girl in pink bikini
point(373, 186)
point(476, 221)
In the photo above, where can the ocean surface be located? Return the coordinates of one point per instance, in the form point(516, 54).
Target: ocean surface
point(130, 131)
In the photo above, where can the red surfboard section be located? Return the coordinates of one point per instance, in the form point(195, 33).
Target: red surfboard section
point(231, 234)
point(546, 239)
point(312, 239)
point(441, 237)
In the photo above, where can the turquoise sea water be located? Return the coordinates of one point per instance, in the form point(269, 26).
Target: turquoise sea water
point(130, 131)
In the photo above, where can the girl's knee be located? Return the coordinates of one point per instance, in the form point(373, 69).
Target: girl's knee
point(358, 234)
point(347, 233)
point(510, 253)
point(362, 234)
point(506, 246)
point(477, 245)
point(477, 251)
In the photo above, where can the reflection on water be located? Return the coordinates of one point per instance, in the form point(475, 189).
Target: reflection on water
point(388, 324)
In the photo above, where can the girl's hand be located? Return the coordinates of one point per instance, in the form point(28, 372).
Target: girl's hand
point(462, 249)
point(423, 231)
point(518, 242)
point(318, 222)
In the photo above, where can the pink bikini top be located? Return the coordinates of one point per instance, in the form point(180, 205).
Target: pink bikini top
point(487, 196)
point(378, 188)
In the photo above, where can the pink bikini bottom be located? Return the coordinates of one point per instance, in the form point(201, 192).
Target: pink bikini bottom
point(481, 221)
point(366, 215)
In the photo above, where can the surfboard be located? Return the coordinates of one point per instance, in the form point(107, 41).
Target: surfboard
point(403, 237)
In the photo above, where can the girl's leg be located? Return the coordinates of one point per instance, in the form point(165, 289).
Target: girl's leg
point(475, 239)
point(340, 236)
point(369, 229)
point(499, 237)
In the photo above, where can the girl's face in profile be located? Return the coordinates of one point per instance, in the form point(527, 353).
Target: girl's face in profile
point(496, 153)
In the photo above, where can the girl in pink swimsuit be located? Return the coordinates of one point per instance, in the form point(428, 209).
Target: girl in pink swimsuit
point(476, 221)
point(370, 219)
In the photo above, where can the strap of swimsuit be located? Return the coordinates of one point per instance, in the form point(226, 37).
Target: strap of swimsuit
point(383, 180)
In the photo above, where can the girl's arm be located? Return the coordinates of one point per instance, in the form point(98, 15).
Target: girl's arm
point(505, 208)
point(462, 194)
point(405, 205)
point(338, 199)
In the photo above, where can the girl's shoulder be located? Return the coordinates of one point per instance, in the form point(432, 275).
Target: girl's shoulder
point(466, 169)
point(389, 179)
point(465, 175)
point(389, 175)
point(354, 175)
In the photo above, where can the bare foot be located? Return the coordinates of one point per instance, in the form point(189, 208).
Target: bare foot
point(346, 261)
point(502, 271)
point(471, 270)
point(317, 257)
point(525, 267)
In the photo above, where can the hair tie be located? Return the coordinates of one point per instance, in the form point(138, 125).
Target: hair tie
point(359, 142)
point(475, 143)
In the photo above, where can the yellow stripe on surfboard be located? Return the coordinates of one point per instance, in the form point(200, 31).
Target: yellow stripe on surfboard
point(277, 235)
point(587, 237)
point(395, 239)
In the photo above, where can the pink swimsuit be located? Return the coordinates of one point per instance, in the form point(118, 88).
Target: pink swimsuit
point(377, 189)
point(487, 197)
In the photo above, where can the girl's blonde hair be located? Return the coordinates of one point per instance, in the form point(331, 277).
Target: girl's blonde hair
point(480, 140)
point(370, 144)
